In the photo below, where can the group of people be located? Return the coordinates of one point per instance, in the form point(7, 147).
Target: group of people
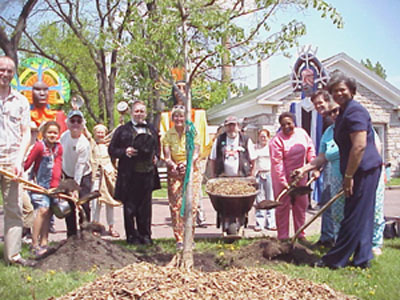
point(348, 158)
point(350, 152)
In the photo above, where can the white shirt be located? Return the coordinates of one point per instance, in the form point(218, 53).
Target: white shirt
point(263, 161)
point(231, 154)
point(14, 113)
point(76, 156)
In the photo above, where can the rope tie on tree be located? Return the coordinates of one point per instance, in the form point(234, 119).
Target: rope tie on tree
point(190, 135)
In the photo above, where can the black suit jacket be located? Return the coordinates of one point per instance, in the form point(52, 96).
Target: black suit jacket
point(121, 140)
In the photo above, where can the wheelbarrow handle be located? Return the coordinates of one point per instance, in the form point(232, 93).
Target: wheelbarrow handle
point(320, 212)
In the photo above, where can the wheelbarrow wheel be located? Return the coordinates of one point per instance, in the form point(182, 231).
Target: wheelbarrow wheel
point(232, 229)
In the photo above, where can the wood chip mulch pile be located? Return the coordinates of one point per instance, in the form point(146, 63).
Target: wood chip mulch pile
point(146, 281)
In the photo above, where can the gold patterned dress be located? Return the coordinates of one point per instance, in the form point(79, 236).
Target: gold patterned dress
point(176, 145)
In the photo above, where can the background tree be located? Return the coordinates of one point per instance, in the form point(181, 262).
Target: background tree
point(97, 25)
point(204, 35)
point(377, 68)
point(12, 27)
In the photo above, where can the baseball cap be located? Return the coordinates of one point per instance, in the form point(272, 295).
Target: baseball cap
point(74, 113)
point(231, 120)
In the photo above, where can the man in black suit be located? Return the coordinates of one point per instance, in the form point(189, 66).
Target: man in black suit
point(136, 146)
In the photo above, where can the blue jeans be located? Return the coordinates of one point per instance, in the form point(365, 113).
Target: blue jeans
point(265, 218)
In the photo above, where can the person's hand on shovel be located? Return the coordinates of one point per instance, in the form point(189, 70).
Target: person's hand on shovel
point(297, 174)
point(316, 174)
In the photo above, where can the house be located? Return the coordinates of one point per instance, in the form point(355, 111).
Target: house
point(262, 107)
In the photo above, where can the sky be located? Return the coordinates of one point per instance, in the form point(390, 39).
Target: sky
point(371, 30)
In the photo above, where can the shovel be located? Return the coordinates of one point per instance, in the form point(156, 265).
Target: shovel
point(291, 190)
point(314, 217)
point(60, 208)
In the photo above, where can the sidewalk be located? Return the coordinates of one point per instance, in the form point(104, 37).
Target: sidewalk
point(161, 221)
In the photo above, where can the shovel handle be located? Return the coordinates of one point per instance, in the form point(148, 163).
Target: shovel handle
point(46, 192)
point(320, 212)
point(283, 193)
point(20, 179)
point(311, 180)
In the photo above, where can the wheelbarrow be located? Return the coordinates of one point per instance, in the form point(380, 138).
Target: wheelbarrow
point(232, 209)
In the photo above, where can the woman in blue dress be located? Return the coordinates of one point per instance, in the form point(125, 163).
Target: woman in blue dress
point(360, 165)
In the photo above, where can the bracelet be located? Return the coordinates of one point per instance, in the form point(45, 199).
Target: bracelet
point(347, 176)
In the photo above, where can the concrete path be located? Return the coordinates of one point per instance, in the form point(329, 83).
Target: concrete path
point(161, 221)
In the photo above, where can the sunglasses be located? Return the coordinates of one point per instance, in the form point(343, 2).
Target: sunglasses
point(75, 121)
point(334, 111)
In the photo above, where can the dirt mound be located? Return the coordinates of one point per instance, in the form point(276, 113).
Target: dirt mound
point(149, 282)
point(86, 252)
point(266, 251)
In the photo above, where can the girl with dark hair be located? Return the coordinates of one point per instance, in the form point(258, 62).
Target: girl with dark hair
point(46, 155)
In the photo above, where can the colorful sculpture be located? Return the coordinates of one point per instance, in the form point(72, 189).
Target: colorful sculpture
point(45, 89)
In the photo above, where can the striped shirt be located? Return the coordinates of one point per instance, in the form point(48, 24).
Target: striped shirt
point(14, 114)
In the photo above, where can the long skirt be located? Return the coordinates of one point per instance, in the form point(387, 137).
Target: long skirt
point(175, 189)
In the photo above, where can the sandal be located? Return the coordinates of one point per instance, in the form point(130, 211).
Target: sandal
point(40, 251)
point(113, 233)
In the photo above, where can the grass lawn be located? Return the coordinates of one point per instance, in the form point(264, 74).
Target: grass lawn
point(163, 192)
point(379, 282)
point(394, 181)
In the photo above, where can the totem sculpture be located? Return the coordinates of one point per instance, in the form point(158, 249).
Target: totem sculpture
point(46, 90)
point(308, 76)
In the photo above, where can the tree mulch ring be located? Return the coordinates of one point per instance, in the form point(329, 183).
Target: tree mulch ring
point(267, 251)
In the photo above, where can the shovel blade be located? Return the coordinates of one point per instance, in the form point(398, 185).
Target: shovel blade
point(301, 190)
point(267, 204)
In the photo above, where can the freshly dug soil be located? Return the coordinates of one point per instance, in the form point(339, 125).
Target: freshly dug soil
point(86, 252)
point(149, 282)
point(269, 250)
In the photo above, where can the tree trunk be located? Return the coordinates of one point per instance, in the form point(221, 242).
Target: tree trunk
point(187, 257)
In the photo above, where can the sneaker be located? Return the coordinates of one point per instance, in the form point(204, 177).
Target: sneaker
point(202, 225)
point(23, 262)
point(377, 251)
point(272, 228)
point(257, 228)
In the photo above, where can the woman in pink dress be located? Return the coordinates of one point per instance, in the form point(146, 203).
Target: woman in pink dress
point(291, 148)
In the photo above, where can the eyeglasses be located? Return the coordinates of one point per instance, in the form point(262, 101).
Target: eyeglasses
point(77, 121)
point(334, 111)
